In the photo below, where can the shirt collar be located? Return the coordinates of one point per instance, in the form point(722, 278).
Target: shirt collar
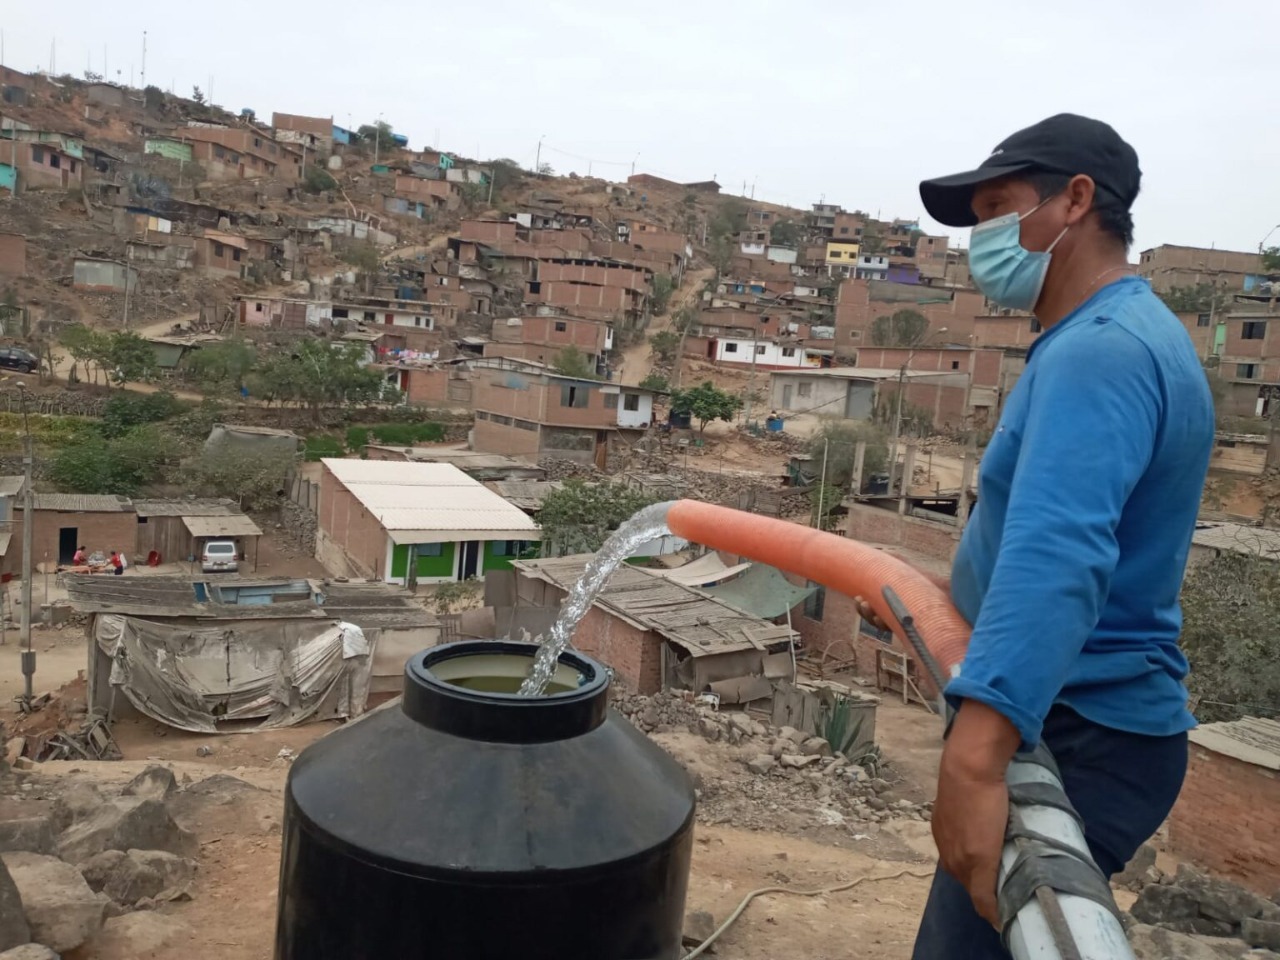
point(1085, 310)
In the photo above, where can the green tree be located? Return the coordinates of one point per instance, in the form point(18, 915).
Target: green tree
point(1198, 298)
point(579, 517)
point(786, 232)
point(126, 410)
point(86, 346)
point(318, 374)
point(130, 359)
point(572, 362)
point(253, 478)
point(124, 465)
point(705, 402)
point(838, 440)
point(362, 254)
point(506, 174)
point(1271, 259)
point(656, 381)
point(379, 133)
point(222, 367)
point(665, 344)
point(871, 242)
point(317, 180)
point(905, 328)
point(1231, 606)
point(197, 95)
point(663, 287)
point(730, 218)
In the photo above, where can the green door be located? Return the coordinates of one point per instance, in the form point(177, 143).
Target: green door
point(1219, 338)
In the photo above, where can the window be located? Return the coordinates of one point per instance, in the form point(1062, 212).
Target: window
point(499, 419)
point(73, 166)
point(417, 321)
point(561, 326)
point(482, 415)
point(218, 249)
point(55, 160)
point(760, 350)
point(815, 602)
point(788, 351)
point(804, 389)
point(574, 396)
point(428, 549)
point(730, 348)
point(1202, 320)
point(219, 153)
point(37, 154)
point(1034, 326)
point(235, 255)
point(631, 402)
point(1254, 330)
point(1246, 371)
point(844, 229)
point(526, 425)
point(340, 313)
point(611, 401)
point(955, 364)
point(257, 142)
point(508, 548)
point(257, 307)
point(835, 254)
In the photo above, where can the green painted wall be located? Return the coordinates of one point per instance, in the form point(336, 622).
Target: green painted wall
point(170, 148)
point(8, 178)
point(495, 561)
point(428, 567)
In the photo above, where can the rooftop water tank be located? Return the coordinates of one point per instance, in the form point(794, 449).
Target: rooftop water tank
point(468, 821)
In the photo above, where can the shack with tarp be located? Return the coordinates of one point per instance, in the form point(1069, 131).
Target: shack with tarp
point(198, 654)
point(177, 530)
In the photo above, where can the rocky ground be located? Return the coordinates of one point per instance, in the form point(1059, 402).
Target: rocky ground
point(147, 859)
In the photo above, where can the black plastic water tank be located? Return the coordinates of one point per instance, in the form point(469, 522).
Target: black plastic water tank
point(470, 822)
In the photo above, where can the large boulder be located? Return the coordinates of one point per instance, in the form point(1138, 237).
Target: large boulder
point(1156, 943)
point(136, 935)
point(149, 874)
point(1261, 933)
point(126, 823)
point(1134, 875)
point(154, 783)
point(14, 929)
point(1159, 904)
point(28, 825)
point(61, 909)
point(29, 951)
point(1218, 899)
point(97, 870)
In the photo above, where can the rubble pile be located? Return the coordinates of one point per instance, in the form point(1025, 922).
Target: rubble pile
point(759, 777)
point(560, 469)
point(74, 862)
point(1188, 915)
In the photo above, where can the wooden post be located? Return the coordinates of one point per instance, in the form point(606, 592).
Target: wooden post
point(964, 504)
point(859, 464)
point(908, 468)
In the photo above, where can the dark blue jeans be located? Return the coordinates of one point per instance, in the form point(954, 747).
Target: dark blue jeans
point(1123, 785)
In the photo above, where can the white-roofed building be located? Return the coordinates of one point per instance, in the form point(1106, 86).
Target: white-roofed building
point(413, 523)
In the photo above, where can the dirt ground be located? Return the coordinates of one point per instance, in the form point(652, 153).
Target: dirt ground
point(239, 831)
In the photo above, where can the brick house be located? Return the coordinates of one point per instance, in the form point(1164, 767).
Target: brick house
point(438, 386)
point(410, 523)
point(221, 254)
point(314, 133)
point(1227, 817)
point(860, 302)
point(525, 410)
point(541, 338)
point(1169, 265)
point(855, 393)
point(1248, 348)
point(41, 160)
point(436, 194)
point(242, 152)
point(65, 521)
point(653, 632)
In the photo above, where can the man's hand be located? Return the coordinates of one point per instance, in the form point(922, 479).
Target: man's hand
point(972, 807)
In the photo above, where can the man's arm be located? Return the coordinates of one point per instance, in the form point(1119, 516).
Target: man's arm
point(1094, 412)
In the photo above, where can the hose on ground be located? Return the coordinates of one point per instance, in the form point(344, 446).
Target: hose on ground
point(701, 948)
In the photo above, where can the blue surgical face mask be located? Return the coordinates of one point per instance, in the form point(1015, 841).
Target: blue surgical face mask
point(1003, 269)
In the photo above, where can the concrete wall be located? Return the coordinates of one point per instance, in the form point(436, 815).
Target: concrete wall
point(1227, 819)
point(493, 436)
point(96, 531)
point(826, 394)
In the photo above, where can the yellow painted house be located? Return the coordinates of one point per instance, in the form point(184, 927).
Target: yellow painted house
point(841, 253)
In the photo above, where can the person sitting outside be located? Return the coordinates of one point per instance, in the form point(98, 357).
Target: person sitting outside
point(79, 558)
point(117, 563)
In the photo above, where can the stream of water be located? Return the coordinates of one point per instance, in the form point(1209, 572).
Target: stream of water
point(648, 524)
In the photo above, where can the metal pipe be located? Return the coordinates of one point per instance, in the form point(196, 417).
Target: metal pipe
point(28, 530)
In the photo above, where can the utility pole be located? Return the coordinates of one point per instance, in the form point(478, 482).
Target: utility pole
point(143, 80)
point(633, 163)
point(377, 139)
point(28, 529)
point(537, 159)
point(126, 295)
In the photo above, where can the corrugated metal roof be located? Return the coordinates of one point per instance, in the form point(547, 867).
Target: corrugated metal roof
point(525, 494)
point(419, 502)
point(82, 503)
point(697, 622)
point(185, 508)
point(4, 543)
point(232, 526)
point(1238, 538)
point(10, 486)
point(1254, 740)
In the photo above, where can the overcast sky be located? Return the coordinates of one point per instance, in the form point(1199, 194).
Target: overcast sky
point(852, 102)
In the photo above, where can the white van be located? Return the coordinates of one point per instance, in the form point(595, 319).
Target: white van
point(219, 556)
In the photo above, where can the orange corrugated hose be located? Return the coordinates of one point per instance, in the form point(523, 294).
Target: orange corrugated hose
point(846, 566)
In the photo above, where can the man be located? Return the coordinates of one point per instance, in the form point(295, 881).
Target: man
point(1071, 564)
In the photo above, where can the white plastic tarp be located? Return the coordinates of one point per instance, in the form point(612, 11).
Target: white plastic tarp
point(707, 569)
point(281, 671)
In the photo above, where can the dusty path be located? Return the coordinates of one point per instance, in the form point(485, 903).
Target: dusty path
point(637, 359)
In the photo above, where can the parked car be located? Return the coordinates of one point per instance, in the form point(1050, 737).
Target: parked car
point(15, 358)
point(219, 556)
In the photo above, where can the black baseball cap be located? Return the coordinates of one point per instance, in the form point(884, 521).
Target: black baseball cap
point(1066, 144)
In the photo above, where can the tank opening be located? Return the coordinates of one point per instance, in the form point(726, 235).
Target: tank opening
point(502, 673)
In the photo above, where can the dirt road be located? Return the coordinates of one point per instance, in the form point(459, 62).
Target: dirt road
point(637, 360)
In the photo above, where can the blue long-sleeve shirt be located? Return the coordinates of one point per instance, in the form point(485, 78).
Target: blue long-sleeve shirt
point(1071, 564)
